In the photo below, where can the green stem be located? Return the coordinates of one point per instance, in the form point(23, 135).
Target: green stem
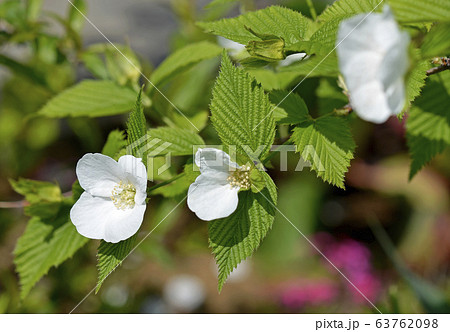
point(312, 10)
point(274, 152)
point(164, 183)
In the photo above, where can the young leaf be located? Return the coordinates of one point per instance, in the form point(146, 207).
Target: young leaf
point(110, 256)
point(241, 112)
point(345, 8)
point(184, 59)
point(278, 21)
point(428, 125)
point(92, 99)
point(178, 142)
point(236, 237)
point(326, 143)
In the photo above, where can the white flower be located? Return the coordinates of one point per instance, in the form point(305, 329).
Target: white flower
point(214, 194)
point(290, 59)
point(235, 49)
point(113, 204)
point(373, 58)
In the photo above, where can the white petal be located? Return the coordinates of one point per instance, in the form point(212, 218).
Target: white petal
point(395, 96)
point(98, 174)
point(290, 59)
point(214, 160)
point(98, 218)
point(211, 199)
point(395, 62)
point(357, 70)
point(369, 102)
point(135, 167)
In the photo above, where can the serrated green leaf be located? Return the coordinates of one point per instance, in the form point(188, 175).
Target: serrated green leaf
point(236, 237)
point(290, 107)
point(416, 80)
point(48, 240)
point(184, 59)
point(271, 80)
point(178, 142)
point(341, 9)
point(326, 143)
point(407, 11)
point(437, 41)
point(92, 99)
point(136, 127)
point(114, 143)
point(110, 256)
point(36, 191)
point(278, 21)
point(241, 112)
point(428, 125)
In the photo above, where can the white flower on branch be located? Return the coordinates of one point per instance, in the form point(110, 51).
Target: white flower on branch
point(214, 194)
point(373, 58)
point(113, 204)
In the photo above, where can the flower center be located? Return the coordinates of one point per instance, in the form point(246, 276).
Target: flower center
point(123, 196)
point(240, 177)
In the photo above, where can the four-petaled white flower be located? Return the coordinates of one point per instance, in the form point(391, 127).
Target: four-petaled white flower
point(373, 58)
point(214, 194)
point(113, 204)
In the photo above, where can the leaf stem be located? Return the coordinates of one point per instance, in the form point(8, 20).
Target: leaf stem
point(438, 69)
point(164, 183)
point(312, 10)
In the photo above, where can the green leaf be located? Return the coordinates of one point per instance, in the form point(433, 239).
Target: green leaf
point(76, 20)
point(178, 142)
point(315, 66)
point(271, 80)
point(278, 21)
point(290, 107)
point(416, 79)
point(215, 3)
point(437, 41)
point(326, 143)
point(330, 96)
point(236, 237)
point(114, 143)
point(92, 99)
point(428, 125)
point(49, 238)
point(345, 8)
point(184, 59)
point(136, 126)
point(241, 112)
point(407, 11)
point(110, 256)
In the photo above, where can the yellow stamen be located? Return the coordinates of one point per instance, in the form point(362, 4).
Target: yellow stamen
point(123, 196)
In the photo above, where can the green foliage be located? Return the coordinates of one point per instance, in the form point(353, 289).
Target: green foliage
point(290, 107)
point(136, 126)
point(110, 256)
point(330, 96)
point(178, 142)
point(278, 21)
point(342, 9)
point(90, 98)
point(114, 143)
point(416, 79)
point(428, 125)
point(76, 19)
point(407, 11)
point(437, 41)
point(236, 237)
point(241, 112)
point(326, 143)
point(49, 238)
point(184, 59)
point(315, 66)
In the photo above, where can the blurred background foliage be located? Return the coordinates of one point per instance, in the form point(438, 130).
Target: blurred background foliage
point(390, 237)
